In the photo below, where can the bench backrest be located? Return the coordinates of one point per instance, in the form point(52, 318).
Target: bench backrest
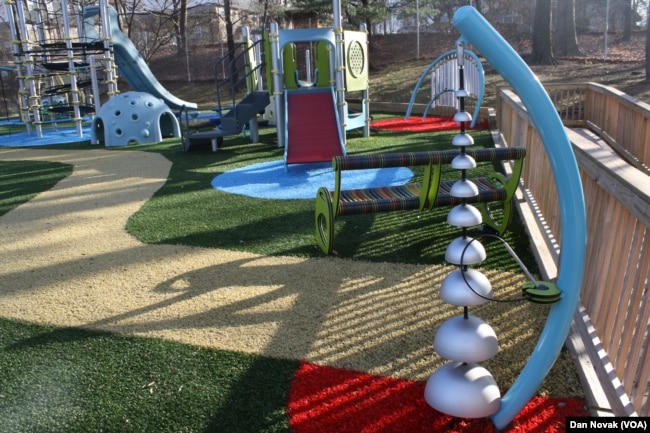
point(385, 160)
point(413, 159)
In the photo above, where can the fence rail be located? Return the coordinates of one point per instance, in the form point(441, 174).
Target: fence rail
point(611, 140)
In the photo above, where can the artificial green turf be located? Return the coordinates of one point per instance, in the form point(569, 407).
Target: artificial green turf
point(22, 180)
point(72, 380)
point(188, 211)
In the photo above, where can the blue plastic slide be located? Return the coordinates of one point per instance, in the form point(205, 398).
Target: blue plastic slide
point(131, 66)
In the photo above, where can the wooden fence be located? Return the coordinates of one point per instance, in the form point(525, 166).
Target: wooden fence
point(610, 135)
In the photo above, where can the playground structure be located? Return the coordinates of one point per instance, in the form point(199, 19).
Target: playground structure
point(59, 79)
point(241, 67)
point(462, 387)
point(130, 64)
point(59, 54)
point(58, 69)
point(314, 110)
point(475, 30)
point(57, 72)
point(444, 79)
point(133, 118)
point(307, 98)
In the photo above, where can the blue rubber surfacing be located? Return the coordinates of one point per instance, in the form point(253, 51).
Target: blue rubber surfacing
point(275, 180)
point(61, 136)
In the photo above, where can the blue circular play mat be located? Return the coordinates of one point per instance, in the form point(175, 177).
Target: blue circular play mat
point(276, 180)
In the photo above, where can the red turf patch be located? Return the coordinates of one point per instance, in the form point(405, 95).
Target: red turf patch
point(325, 399)
point(418, 124)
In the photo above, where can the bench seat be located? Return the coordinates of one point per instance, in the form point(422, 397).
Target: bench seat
point(384, 199)
point(406, 197)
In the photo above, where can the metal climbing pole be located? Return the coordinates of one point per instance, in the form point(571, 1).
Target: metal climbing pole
point(30, 99)
point(106, 35)
point(339, 65)
point(22, 98)
point(278, 82)
point(37, 13)
point(95, 84)
point(72, 69)
point(365, 96)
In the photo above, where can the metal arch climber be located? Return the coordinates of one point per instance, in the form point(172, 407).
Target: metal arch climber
point(475, 30)
point(447, 64)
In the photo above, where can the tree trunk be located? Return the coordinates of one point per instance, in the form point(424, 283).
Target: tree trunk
point(125, 18)
point(627, 21)
point(542, 47)
point(264, 16)
point(566, 40)
point(230, 38)
point(182, 29)
point(647, 48)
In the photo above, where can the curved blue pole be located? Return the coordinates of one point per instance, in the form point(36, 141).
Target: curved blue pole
point(478, 32)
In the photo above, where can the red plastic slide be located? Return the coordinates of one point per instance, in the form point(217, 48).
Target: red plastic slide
point(313, 133)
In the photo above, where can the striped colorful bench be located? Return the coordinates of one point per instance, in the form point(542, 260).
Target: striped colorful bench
point(432, 192)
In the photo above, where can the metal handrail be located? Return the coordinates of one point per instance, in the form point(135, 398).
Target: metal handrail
point(235, 71)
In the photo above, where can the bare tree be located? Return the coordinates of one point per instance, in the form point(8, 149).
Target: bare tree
point(566, 39)
point(542, 46)
point(167, 22)
point(128, 11)
point(148, 27)
point(269, 10)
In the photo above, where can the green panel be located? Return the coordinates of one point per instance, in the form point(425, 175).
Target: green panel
point(289, 66)
point(269, 63)
point(322, 62)
point(251, 63)
point(356, 61)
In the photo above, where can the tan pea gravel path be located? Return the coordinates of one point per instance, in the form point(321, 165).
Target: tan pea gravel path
point(66, 259)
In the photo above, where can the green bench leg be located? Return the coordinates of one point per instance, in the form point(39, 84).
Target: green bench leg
point(324, 221)
point(498, 224)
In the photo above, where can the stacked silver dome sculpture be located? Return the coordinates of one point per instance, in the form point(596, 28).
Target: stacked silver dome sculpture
point(463, 388)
